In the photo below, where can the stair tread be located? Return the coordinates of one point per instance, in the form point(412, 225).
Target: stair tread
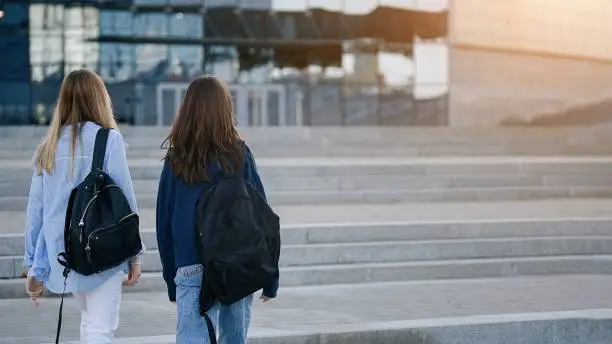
point(453, 262)
point(425, 263)
point(378, 161)
point(383, 243)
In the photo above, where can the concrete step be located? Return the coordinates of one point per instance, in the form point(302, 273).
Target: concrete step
point(285, 150)
point(409, 182)
point(335, 134)
point(441, 212)
point(374, 140)
point(350, 134)
point(454, 169)
point(284, 198)
point(358, 182)
point(346, 137)
point(428, 195)
point(390, 182)
point(339, 184)
point(374, 232)
point(571, 327)
point(399, 251)
point(449, 167)
point(308, 149)
point(404, 271)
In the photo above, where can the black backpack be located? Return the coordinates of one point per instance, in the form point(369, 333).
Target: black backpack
point(101, 230)
point(239, 242)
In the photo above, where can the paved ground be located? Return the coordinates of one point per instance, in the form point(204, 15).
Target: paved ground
point(13, 221)
point(317, 308)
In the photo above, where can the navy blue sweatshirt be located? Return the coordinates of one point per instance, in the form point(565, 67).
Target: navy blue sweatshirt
point(176, 220)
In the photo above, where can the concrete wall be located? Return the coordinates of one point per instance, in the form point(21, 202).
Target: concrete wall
point(487, 86)
point(565, 27)
point(531, 77)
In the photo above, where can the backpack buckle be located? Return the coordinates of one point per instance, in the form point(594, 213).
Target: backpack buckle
point(99, 174)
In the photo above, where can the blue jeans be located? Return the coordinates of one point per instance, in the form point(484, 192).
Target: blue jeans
point(231, 322)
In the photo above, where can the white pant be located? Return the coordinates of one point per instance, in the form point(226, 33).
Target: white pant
point(100, 311)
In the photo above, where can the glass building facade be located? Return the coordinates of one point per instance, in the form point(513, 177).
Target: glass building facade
point(14, 65)
point(61, 37)
point(145, 52)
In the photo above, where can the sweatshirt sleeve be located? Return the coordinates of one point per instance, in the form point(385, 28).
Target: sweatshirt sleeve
point(164, 230)
point(251, 175)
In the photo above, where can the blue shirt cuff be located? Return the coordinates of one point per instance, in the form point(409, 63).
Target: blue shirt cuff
point(27, 261)
point(39, 274)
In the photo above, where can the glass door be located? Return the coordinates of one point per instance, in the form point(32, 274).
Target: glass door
point(255, 105)
point(169, 98)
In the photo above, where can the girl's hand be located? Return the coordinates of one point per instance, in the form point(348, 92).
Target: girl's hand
point(34, 289)
point(133, 275)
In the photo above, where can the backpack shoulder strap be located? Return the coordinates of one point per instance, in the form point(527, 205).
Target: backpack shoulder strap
point(100, 149)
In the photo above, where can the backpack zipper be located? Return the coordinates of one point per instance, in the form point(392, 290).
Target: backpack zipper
point(97, 230)
point(82, 220)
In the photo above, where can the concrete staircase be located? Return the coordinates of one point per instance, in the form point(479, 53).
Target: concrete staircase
point(352, 202)
point(318, 254)
point(376, 180)
point(20, 142)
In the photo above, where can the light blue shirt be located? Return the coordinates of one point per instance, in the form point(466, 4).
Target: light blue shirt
point(48, 201)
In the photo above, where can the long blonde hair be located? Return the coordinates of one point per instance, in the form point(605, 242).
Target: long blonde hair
point(83, 97)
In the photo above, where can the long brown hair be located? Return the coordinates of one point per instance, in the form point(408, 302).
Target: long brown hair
point(82, 97)
point(204, 129)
